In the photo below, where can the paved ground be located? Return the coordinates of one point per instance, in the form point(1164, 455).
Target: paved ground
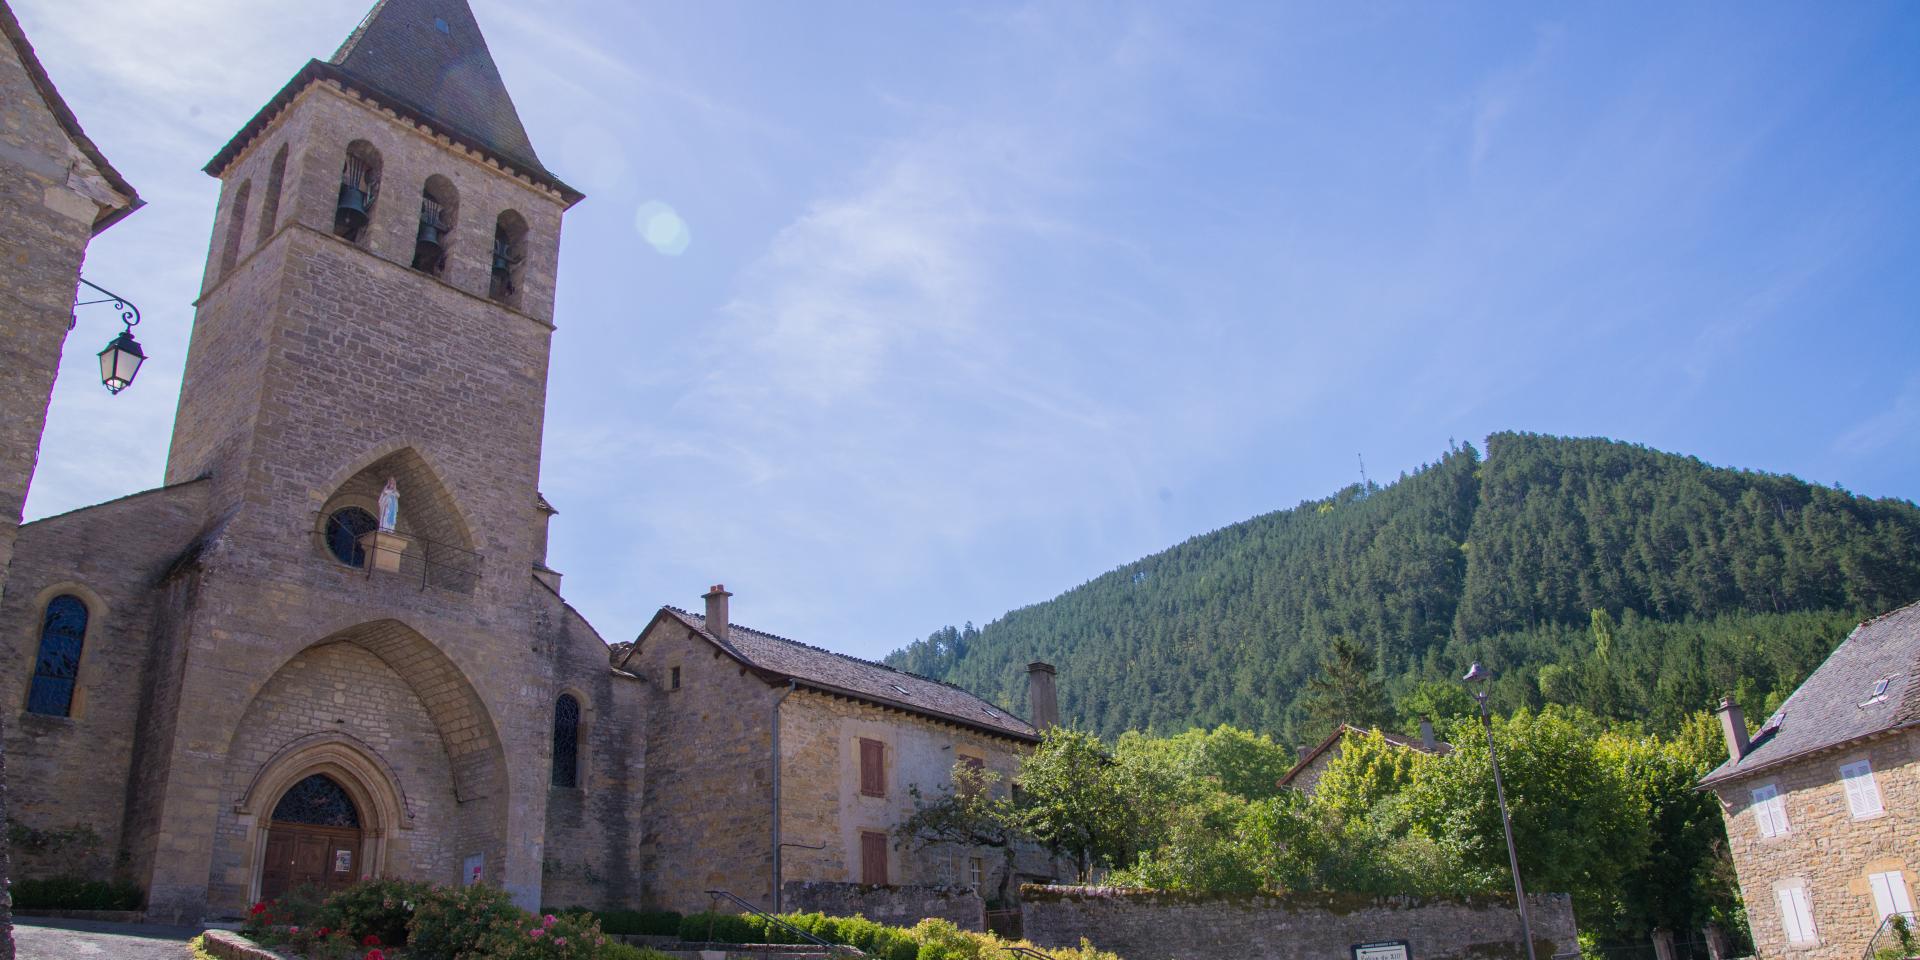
point(37, 938)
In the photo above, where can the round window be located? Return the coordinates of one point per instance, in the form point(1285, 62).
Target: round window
point(344, 529)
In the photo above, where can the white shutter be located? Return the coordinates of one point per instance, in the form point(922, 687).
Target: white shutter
point(1796, 914)
point(1789, 917)
point(1890, 894)
point(1770, 811)
point(1863, 794)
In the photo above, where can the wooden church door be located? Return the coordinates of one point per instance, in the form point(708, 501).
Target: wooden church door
point(314, 839)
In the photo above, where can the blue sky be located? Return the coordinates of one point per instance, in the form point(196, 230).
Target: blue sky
point(945, 309)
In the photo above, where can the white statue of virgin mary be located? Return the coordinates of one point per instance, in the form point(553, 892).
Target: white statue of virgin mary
point(389, 506)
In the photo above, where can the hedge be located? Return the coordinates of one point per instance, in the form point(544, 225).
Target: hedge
point(75, 893)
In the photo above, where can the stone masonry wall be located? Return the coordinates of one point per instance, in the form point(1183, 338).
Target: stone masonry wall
point(823, 812)
point(594, 829)
point(1146, 925)
point(900, 906)
point(709, 776)
point(68, 771)
point(1825, 848)
point(47, 219)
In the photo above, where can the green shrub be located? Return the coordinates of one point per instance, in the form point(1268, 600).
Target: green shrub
point(658, 923)
point(373, 908)
point(573, 936)
point(457, 923)
point(298, 907)
point(711, 927)
point(75, 893)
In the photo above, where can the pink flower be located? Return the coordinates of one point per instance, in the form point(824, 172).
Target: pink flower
point(549, 920)
point(293, 929)
point(559, 941)
point(536, 932)
point(374, 955)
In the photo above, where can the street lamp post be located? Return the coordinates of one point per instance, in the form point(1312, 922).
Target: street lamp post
point(1476, 678)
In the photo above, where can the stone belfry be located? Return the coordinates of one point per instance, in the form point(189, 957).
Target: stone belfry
point(342, 654)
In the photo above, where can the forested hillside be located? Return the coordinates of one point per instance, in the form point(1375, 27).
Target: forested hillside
point(1634, 583)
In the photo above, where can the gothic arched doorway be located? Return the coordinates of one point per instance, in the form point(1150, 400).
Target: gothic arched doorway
point(314, 838)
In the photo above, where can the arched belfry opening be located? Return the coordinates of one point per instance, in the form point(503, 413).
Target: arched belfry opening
point(394, 517)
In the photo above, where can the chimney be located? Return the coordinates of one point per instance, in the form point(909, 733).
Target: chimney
point(1427, 742)
point(716, 598)
point(1041, 702)
point(1733, 726)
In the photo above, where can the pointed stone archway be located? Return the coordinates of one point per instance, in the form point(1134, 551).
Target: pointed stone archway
point(383, 712)
point(279, 848)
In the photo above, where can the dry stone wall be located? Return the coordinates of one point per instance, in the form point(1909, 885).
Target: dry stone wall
point(901, 906)
point(1152, 925)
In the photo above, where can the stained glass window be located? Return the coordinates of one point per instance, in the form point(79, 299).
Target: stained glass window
point(344, 530)
point(318, 801)
point(566, 741)
point(54, 670)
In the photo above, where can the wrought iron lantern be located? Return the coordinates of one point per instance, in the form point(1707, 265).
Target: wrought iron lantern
point(121, 359)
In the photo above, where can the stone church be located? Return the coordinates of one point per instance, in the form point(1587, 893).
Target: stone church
point(328, 646)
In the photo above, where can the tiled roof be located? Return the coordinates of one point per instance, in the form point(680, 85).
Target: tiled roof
point(862, 679)
point(57, 105)
point(1838, 703)
point(1341, 731)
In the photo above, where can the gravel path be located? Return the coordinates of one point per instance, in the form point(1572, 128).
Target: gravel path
point(37, 938)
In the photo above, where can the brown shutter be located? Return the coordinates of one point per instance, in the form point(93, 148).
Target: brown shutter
point(873, 768)
point(873, 857)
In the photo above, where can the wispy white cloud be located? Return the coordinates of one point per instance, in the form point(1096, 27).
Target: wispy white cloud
point(1898, 422)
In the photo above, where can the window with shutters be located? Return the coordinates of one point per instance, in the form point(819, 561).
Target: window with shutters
point(1796, 914)
point(1890, 895)
point(1863, 794)
point(969, 771)
point(1770, 811)
point(873, 857)
point(873, 768)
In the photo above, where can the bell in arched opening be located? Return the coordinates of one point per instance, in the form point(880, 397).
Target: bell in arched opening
point(429, 245)
point(359, 184)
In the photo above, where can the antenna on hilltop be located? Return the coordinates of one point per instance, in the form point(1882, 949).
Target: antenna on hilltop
point(1364, 485)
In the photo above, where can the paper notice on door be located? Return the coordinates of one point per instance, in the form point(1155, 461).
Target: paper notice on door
point(343, 861)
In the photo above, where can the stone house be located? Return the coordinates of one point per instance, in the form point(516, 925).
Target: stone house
point(819, 752)
point(1822, 803)
point(329, 645)
point(1313, 763)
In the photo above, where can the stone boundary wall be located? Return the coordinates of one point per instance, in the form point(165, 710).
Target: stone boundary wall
point(1161, 925)
point(228, 945)
point(900, 906)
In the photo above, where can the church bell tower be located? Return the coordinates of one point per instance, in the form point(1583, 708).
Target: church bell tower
point(378, 297)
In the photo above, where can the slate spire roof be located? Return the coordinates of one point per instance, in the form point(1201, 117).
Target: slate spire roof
point(431, 54)
point(1869, 685)
point(777, 658)
point(427, 60)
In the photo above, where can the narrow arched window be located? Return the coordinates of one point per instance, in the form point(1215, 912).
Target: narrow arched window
point(62, 633)
point(359, 191)
point(566, 741)
point(236, 227)
point(270, 204)
point(509, 254)
point(439, 205)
